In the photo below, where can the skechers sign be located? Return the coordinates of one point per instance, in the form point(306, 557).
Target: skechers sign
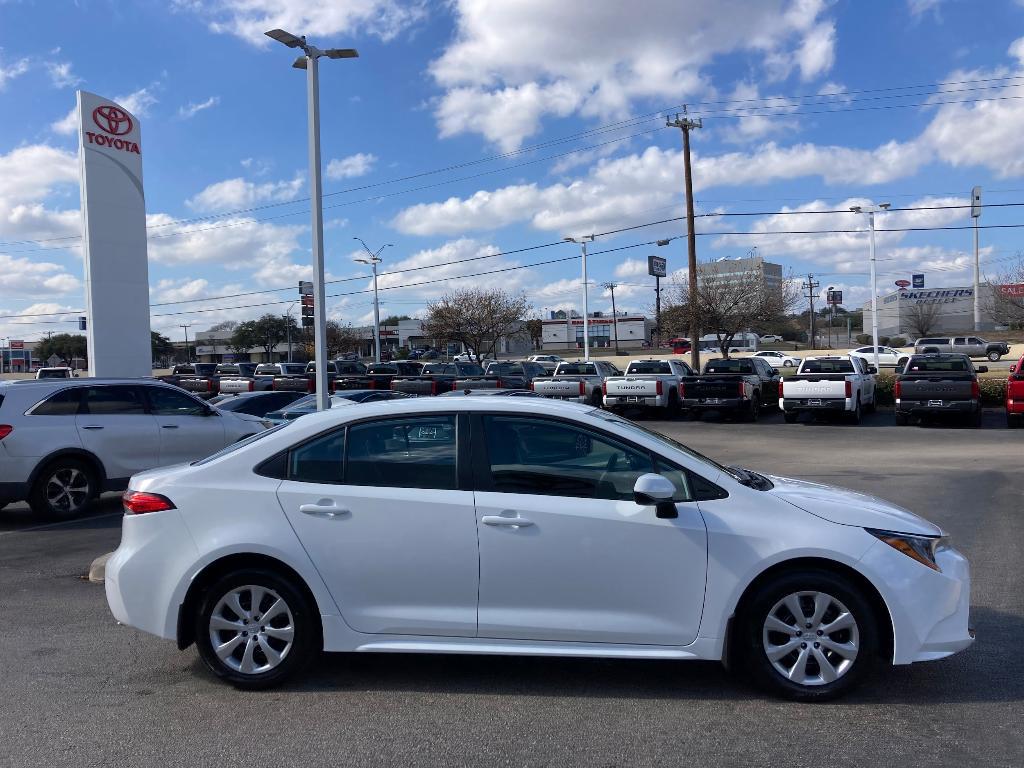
point(935, 296)
point(114, 122)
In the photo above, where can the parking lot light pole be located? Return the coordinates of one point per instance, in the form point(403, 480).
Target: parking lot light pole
point(871, 210)
point(586, 328)
point(309, 62)
point(374, 259)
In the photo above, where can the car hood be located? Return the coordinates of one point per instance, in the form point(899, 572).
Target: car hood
point(846, 507)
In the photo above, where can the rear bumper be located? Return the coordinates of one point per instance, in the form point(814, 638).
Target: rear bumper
point(634, 401)
point(926, 407)
point(1015, 406)
point(716, 404)
point(792, 404)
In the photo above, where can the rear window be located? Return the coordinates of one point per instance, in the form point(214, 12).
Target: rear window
point(267, 369)
point(924, 366)
point(293, 368)
point(227, 369)
point(827, 366)
point(504, 369)
point(469, 369)
point(378, 368)
point(577, 369)
point(651, 367)
point(436, 368)
point(206, 369)
point(729, 366)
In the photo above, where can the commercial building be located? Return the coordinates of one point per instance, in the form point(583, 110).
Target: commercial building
point(562, 331)
point(949, 310)
point(16, 356)
point(737, 270)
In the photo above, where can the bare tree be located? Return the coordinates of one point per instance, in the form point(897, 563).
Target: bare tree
point(477, 318)
point(923, 317)
point(731, 303)
point(1009, 295)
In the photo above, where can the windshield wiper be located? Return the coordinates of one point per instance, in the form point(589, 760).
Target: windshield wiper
point(751, 479)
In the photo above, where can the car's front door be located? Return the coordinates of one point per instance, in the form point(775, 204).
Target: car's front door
point(188, 429)
point(387, 521)
point(113, 425)
point(565, 552)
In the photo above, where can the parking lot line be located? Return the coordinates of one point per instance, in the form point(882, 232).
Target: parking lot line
point(57, 525)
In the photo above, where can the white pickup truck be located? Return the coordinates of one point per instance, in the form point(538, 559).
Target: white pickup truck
point(844, 385)
point(579, 382)
point(647, 384)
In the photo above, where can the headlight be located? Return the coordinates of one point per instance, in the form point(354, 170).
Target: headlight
point(920, 548)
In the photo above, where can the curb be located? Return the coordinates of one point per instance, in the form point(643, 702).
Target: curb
point(98, 568)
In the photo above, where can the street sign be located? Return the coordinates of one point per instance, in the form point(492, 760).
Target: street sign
point(52, 361)
point(656, 266)
point(305, 288)
point(902, 283)
point(834, 297)
point(918, 281)
point(81, 323)
point(976, 202)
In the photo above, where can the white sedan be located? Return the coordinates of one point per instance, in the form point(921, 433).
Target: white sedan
point(779, 359)
point(888, 356)
point(466, 525)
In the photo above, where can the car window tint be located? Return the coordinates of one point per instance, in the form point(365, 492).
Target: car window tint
point(552, 458)
point(403, 453)
point(64, 403)
point(729, 366)
point(827, 366)
point(165, 401)
point(319, 460)
point(114, 400)
point(656, 366)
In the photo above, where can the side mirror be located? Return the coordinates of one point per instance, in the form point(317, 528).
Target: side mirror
point(775, 371)
point(872, 369)
point(982, 369)
point(653, 490)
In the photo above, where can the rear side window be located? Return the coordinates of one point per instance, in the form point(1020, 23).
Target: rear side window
point(406, 453)
point(116, 400)
point(64, 403)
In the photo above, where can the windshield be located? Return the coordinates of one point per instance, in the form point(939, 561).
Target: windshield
point(729, 366)
point(576, 369)
point(651, 367)
point(827, 366)
point(235, 446)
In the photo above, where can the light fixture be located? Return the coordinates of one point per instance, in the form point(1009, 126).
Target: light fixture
point(292, 41)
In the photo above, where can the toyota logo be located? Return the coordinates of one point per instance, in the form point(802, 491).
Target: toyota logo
point(113, 120)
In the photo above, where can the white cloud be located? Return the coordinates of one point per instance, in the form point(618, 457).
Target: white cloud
point(920, 7)
point(194, 108)
point(512, 64)
point(232, 243)
point(137, 102)
point(61, 74)
point(24, 277)
point(754, 127)
point(352, 166)
point(249, 19)
point(631, 268)
point(68, 124)
point(232, 194)
point(15, 327)
point(28, 175)
point(10, 71)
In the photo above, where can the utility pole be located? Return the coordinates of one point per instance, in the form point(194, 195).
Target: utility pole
point(975, 215)
point(615, 319)
point(810, 286)
point(373, 259)
point(657, 310)
point(188, 354)
point(685, 124)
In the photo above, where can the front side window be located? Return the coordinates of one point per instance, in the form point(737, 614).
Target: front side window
point(119, 400)
point(403, 453)
point(552, 458)
point(166, 402)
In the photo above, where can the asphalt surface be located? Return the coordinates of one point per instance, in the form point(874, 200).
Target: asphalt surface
point(79, 690)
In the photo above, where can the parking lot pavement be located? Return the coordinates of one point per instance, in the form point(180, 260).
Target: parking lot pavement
point(80, 690)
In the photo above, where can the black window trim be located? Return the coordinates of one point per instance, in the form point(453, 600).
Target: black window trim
point(79, 389)
point(148, 387)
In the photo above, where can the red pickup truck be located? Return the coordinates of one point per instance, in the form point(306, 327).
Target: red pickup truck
point(1015, 396)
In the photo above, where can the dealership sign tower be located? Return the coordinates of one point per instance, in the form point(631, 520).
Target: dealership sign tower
point(114, 239)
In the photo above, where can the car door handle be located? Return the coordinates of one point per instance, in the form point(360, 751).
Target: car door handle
point(92, 426)
point(323, 510)
point(169, 426)
point(520, 522)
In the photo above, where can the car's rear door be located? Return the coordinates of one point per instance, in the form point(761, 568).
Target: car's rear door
point(113, 424)
point(390, 524)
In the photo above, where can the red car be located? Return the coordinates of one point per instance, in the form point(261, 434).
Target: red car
point(1015, 395)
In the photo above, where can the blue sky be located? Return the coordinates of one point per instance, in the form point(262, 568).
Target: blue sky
point(443, 84)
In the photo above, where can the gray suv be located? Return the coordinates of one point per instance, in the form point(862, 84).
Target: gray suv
point(63, 442)
point(972, 346)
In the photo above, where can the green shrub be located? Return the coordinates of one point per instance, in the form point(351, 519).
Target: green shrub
point(883, 341)
point(883, 389)
point(863, 338)
point(993, 391)
point(897, 341)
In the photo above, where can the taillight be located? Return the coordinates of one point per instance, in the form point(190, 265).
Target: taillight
point(311, 385)
point(252, 386)
point(531, 385)
point(658, 387)
point(975, 390)
point(849, 388)
point(583, 389)
point(139, 503)
point(780, 388)
point(743, 389)
point(897, 389)
point(209, 385)
point(372, 384)
point(604, 388)
point(682, 389)
point(5, 430)
point(500, 385)
point(433, 387)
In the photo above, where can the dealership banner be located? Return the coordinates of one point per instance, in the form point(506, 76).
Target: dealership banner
point(1013, 291)
point(113, 238)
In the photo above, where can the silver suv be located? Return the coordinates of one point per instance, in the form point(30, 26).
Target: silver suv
point(63, 442)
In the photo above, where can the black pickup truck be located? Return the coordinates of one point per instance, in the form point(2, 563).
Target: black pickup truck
point(376, 376)
point(938, 385)
point(742, 386)
point(188, 371)
point(436, 378)
point(510, 374)
point(207, 384)
point(307, 382)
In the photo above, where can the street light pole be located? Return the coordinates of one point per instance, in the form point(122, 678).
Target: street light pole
point(188, 354)
point(310, 63)
point(871, 210)
point(374, 259)
point(586, 326)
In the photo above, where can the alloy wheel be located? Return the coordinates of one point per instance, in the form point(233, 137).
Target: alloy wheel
point(811, 638)
point(67, 490)
point(251, 629)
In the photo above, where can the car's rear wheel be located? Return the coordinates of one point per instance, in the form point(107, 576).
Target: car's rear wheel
point(902, 419)
point(1013, 421)
point(855, 415)
point(754, 408)
point(64, 490)
point(994, 356)
point(255, 628)
point(675, 405)
point(595, 398)
point(790, 416)
point(809, 636)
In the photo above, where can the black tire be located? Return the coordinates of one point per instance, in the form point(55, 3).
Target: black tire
point(902, 419)
point(693, 414)
point(752, 635)
point(74, 475)
point(596, 399)
point(790, 416)
point(874, 403)
point(306, 640)
point(854, 417)
point(994, 356)
point(974, 420)
point(1013, 421)
point(675, 405)
point(753, 412)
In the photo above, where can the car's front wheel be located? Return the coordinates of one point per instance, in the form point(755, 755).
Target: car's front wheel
point(63, 490)
point(809, 636)
point(255, 628)
point(994, 356)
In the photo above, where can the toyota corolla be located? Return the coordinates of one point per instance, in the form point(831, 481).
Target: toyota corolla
point(474, 525)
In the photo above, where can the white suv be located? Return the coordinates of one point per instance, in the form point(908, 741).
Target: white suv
point(63, 442)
